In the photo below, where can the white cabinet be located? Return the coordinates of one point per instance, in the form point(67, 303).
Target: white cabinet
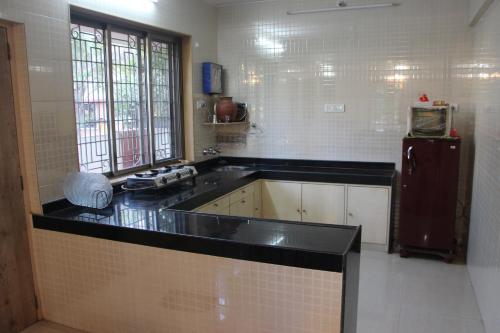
point(219, 206)
point(369, 207)
point(364, 205)
point(244, 207)
point(281, 200)
point(257, 199)
point(323, 203)
point(238, 203)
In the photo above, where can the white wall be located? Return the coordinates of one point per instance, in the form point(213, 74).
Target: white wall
point(48, 43)
point(484, 242)
point(376, 62)
point(476, 7)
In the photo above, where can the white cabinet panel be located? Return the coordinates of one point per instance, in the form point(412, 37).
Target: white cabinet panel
point(241, 193)
point(369, 207)
point(323, 203)
point(257, 197)
point(281, 200)
point(219, 206)
point(244, 207)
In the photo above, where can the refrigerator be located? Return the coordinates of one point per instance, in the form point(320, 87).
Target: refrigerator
point(429, 185)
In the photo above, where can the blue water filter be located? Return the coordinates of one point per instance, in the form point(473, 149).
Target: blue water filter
point(212, 78)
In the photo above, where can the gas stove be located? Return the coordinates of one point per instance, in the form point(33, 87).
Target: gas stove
point(160, 178)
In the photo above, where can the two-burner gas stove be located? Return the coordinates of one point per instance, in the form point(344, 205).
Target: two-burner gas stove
point(160, 178)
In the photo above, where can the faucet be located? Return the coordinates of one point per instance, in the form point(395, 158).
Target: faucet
point(211, 151)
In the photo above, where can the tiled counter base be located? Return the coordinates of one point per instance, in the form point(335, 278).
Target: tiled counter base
point(99, 285)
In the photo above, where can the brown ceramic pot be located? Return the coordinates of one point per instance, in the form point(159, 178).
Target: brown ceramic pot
point(226, 108)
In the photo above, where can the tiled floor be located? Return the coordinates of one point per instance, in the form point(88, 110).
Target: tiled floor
point(415, 295)
point(400, 296)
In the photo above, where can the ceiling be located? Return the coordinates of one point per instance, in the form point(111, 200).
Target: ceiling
point(226, 2)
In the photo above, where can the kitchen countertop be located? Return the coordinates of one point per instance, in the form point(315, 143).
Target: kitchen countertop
point(161, 218)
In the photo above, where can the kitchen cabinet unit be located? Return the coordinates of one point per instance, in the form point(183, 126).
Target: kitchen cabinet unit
point(282, 200)
point(369, 207)
point(323, 203)
point(219, 206)
point(238, 203)
point(365, 205)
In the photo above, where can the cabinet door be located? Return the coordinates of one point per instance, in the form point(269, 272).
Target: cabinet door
point(323, 203)
point(281, 200)
point(219, 206)
point(257, 199)
point(244, 207)
point(369, 207)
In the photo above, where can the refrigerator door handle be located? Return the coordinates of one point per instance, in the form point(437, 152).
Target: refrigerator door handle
point(411, 160)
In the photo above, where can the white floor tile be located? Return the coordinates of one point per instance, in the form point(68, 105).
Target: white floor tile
point(415, 295)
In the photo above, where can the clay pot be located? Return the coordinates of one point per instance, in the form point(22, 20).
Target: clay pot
point(226, 108)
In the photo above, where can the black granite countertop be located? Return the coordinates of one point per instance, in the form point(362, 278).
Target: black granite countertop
point(160, 218)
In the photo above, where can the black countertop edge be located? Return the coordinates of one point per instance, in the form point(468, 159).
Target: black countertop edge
point(301, 258)
point(389, 166)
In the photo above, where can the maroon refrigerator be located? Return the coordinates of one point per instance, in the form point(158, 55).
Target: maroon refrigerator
point(429, 184)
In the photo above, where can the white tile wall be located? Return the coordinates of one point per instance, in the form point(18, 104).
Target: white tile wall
point(484, 242)
point(376, 62)
point(47, 30)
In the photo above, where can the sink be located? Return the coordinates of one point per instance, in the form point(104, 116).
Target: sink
point(230, 168)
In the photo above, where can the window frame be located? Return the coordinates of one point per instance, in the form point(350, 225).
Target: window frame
point(111, 24)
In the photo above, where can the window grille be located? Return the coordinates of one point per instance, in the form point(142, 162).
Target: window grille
point(127, 97)
point(129, 93)
point(89, 84)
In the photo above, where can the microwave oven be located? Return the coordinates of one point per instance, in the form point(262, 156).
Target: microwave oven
point(430, 121)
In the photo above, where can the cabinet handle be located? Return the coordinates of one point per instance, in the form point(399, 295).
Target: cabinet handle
point(216, 205)
point(243, 201)
point(350, 214)
point(304, 211)
point(298, 211)
point(243, 191)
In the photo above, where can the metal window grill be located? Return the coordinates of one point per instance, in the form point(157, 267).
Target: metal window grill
point(161, 98)
point(129, 91)
point(116, 102)
point(89, 84)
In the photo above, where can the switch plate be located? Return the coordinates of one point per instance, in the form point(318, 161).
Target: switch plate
point(334, 108)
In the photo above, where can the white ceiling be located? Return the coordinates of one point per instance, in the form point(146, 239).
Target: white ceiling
point(227, 2)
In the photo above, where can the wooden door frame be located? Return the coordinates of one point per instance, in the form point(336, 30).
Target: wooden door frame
point(16, 38)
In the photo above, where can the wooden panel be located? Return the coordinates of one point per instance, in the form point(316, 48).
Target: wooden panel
point(369, 207)
point(17, 303)
point(323, 203)
point(281, 200)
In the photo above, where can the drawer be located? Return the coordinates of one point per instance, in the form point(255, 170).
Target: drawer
point(214, 206)
point(241, 193)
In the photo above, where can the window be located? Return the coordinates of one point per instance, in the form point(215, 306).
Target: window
point(127, 97)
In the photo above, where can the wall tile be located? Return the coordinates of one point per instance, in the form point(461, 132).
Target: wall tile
point(376, 62)
point(104, 286)
point(484, 240)
point(48, 47)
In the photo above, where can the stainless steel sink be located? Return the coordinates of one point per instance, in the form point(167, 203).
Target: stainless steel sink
point(230, 168)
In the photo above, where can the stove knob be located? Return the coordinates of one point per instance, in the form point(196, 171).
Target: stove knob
point(191, 171)
point(164, 180)
point(178, 175)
